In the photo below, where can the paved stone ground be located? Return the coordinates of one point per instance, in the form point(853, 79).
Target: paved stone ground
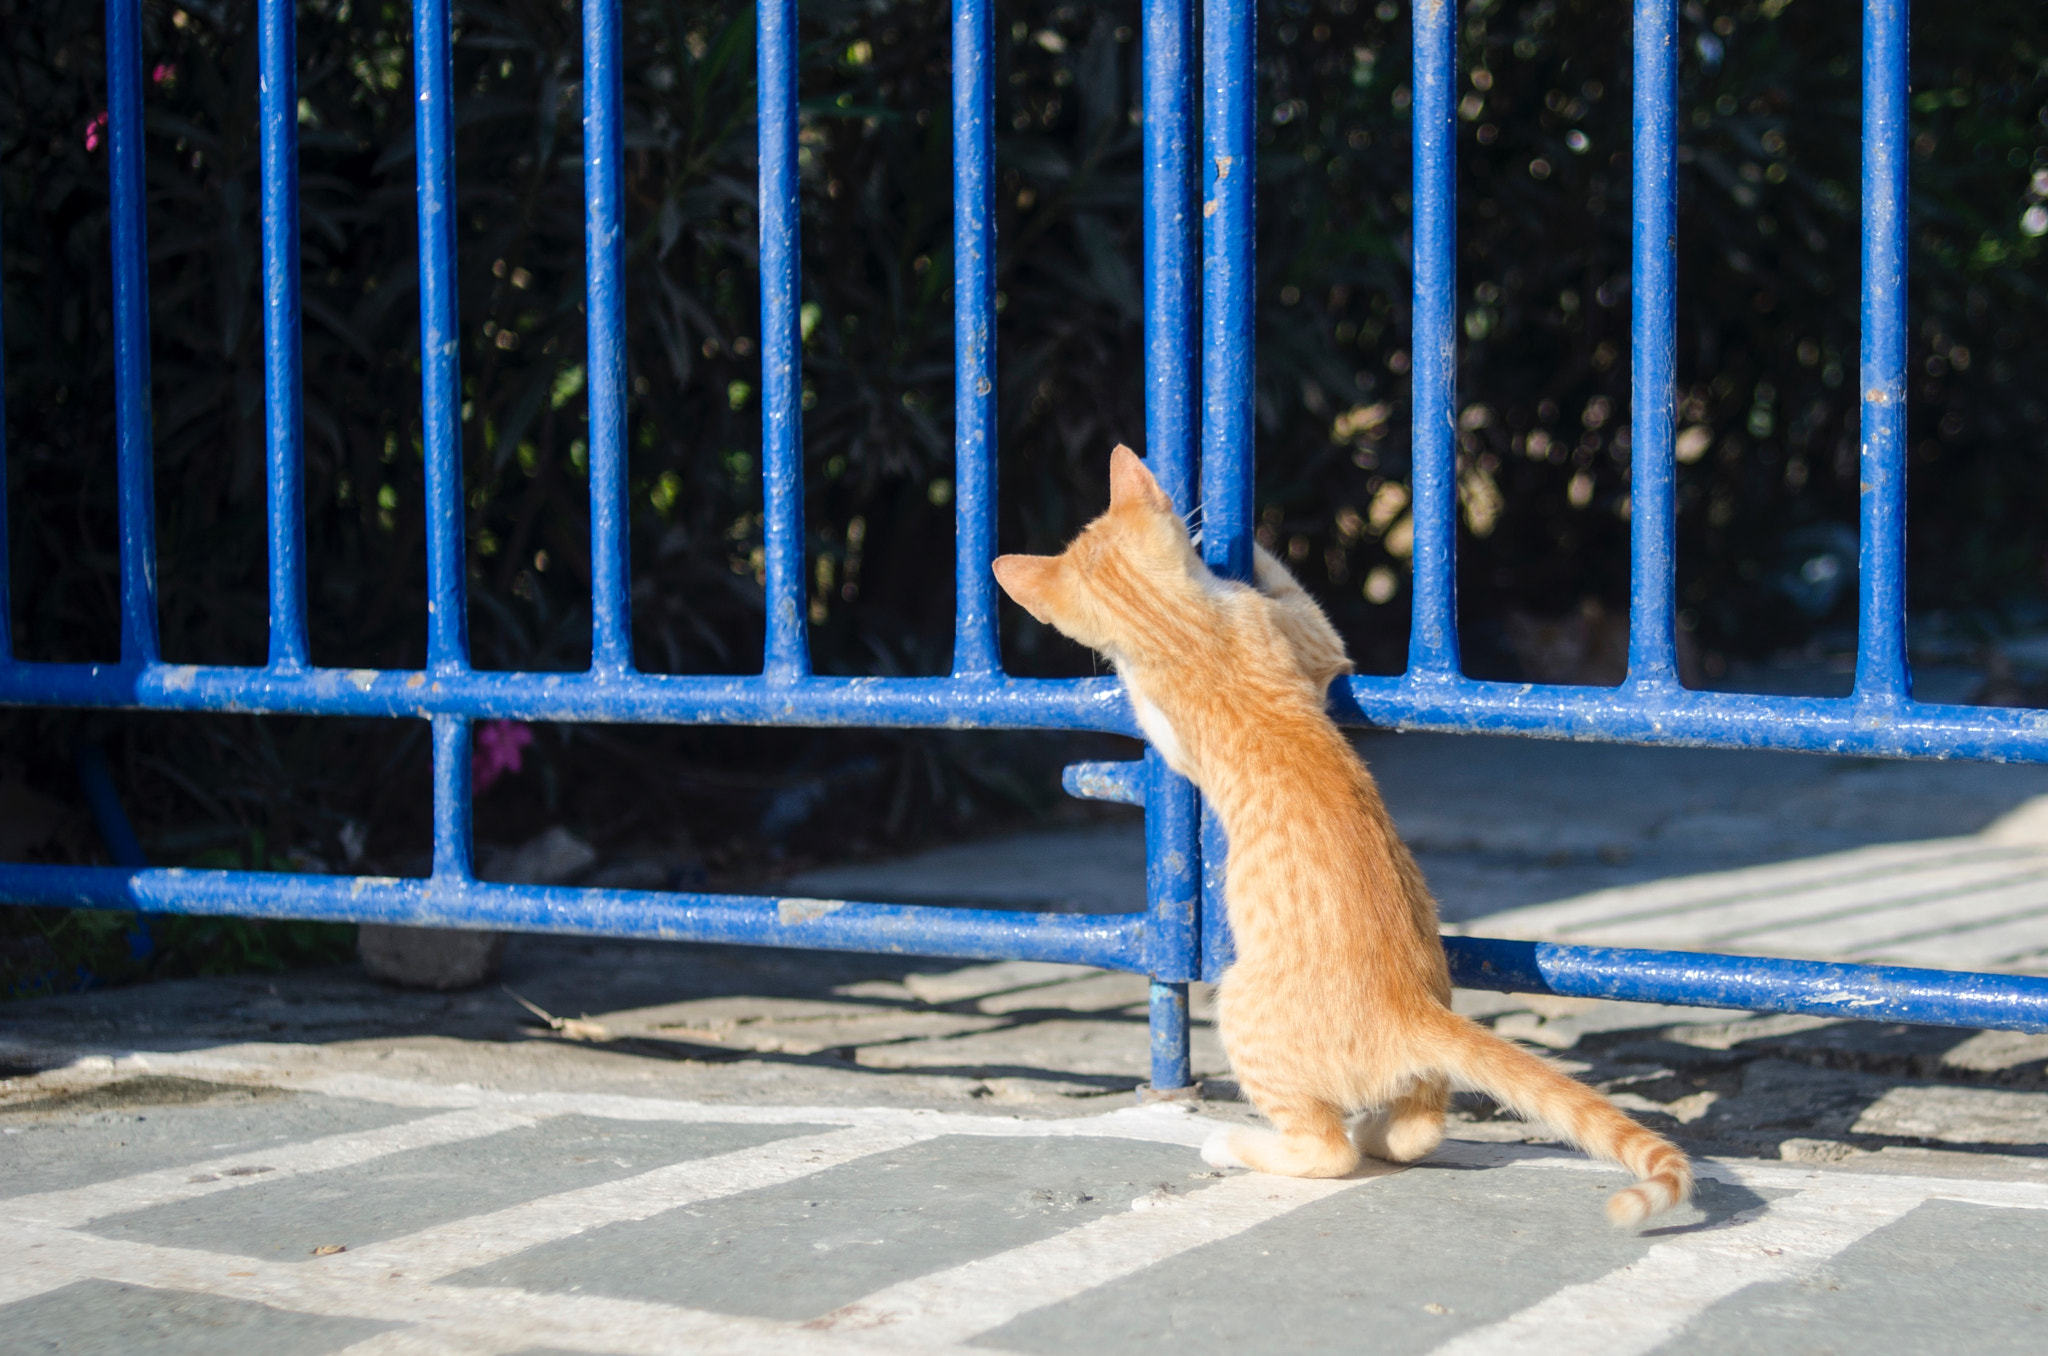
point(794, 1153)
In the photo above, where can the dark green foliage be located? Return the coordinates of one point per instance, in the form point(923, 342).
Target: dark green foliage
point(1768, 253)
point(52, 951)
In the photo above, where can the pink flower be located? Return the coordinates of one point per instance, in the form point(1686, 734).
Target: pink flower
point(163, 71)
point(498, 745)
point(96, 131)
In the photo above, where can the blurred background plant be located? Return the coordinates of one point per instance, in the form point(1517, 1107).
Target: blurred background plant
point(1768, 342)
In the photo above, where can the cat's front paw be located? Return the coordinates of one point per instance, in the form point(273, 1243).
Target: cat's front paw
point(1217, 1153)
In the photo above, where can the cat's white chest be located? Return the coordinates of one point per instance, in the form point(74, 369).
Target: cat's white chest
point(1154, 723)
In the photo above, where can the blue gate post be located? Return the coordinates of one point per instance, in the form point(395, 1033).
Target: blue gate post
point(454, 863)
point(441, 431)
point(283, 420)
point(134, 486)
point(6, 594)
point(786, 657)
point(1433, 343)
point(1653, 324)
point(604, 255)
point(977, 656)
point(1881, 679)
point(1172, 819)
point(1173, 897)
point(1229, 322)
point(440, 340)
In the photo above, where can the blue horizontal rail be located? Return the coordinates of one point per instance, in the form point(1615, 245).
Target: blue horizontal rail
point(996, 701)
point(1874, 993)
point(1114, 941)
point(1200, 284)
point(1858, 725)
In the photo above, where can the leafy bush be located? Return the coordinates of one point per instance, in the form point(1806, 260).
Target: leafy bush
point(53, 951)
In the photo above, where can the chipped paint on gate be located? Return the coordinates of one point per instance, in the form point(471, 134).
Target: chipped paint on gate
point(792, 911)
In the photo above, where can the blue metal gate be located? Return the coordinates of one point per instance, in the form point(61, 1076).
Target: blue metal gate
point(1199, 419)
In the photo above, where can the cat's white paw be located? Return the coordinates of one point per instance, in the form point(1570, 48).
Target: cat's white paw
point(1217, 1153)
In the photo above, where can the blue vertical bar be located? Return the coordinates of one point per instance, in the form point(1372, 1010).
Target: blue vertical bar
point(1229, 316)
point(1219, 948)
point(604, 255)
point(134, 480)
point(6, 559)
point(782, 447)
point(1170, 262)
point(1433, 640)
point(976, 647)
point(1229, 281)
point(452, 847)
point(283, 423)
point(1167, 1018)
point(117, 831)
point(1173, 896)
point(440, 336)
point(1881, 578)
point(1653, 344)
point(1173, 886)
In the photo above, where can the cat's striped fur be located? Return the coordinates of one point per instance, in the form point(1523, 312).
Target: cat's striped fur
point(1339, 1002)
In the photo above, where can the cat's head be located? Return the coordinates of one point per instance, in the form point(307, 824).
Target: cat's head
point(1133, 586)
point(1125, 580)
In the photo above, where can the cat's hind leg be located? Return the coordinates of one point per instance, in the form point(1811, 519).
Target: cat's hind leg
point(1410, 1127)
point(1307, 1140)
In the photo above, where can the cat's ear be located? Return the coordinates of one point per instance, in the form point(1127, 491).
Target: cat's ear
point(1029, 580)
point(1317, 648)
point(1131, 483)
point(1273, 579)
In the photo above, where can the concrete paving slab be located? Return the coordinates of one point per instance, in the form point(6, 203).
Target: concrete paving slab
point(290, 1218)
point(102, 1318)
point(799, 1251)
point(1369, 1269)
point(877, 1230)
point(1957, 1115)
point(74, 1138)
point(1953, 1277)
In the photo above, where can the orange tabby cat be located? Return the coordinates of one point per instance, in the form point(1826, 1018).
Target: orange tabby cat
point(1339, 1000)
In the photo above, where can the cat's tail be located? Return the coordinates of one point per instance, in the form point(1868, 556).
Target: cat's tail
point(1534, 1090)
